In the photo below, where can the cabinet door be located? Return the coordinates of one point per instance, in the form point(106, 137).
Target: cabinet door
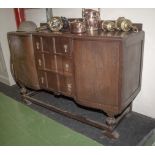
point(23, 60)
point(96, 72)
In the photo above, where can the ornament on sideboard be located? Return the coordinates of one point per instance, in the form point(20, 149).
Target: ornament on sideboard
point(107, 25)
point(77, 26)
point(89, 22)
point(55, 24)
point(91, 18)
point(123, 24)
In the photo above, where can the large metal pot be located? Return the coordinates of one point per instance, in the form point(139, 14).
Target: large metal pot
point(77, 27)
point(92, 18)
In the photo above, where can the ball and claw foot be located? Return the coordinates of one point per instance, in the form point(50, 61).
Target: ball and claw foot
point(110, 134)
point(23, 91)
point(110, 121)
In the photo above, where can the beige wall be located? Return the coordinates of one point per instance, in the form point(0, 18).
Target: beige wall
point(7, 24)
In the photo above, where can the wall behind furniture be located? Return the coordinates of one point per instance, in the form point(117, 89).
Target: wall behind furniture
point(7, 24)
point(145, 101)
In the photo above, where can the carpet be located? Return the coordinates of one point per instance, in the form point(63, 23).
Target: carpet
point(22, 126)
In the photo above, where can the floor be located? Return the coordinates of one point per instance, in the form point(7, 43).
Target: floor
point(132, 128)
point(22, 126)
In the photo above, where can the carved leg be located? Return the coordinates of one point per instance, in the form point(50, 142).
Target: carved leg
point(111, 122)
point(23, 92)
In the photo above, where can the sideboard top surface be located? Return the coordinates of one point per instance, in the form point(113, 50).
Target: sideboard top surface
point(91, 35)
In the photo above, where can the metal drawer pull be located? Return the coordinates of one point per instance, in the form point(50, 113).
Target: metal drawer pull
point(67, 67)
point(69, 87)
point(42, 80)
point(39, 62)
point(65, 47)
point(37, 45)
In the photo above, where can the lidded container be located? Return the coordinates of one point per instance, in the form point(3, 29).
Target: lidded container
point(92, 18)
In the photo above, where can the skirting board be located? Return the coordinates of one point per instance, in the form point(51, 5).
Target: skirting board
point(5, 80)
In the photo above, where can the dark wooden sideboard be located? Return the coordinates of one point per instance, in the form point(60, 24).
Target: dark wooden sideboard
point(100, 70)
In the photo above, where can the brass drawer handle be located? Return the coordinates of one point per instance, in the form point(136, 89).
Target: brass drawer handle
point(67, 67)
point(37, 45)
point(65, 48)
point(39, 62)
point(69, 87)
point(42, 80)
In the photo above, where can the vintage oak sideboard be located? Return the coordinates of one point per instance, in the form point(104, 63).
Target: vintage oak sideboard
point(100, 70)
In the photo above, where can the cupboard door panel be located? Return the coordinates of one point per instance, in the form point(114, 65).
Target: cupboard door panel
point(23, 60)
point(96, 71)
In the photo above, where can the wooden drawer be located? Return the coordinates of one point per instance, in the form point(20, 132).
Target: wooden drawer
point(66, 85)
point(52, 81)
point(42, 79)
point(37, 43)
point(47, 45)
point(67, 65)
point(64, 64)
point(49, 61)
point(39, 61)
point(63, 45)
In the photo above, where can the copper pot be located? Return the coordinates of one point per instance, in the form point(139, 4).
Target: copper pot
point(92, 18)
point(77, 27)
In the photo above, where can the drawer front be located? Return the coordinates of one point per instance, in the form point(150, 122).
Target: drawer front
point(59, 63)
point(64, 64)
point(49, 61)
point(52, 81)
point(63, 45)
point(39, 61)
point(67, 65)
point(42, 79)
point(47, 44)
point(37, 43)
point(66, 85)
